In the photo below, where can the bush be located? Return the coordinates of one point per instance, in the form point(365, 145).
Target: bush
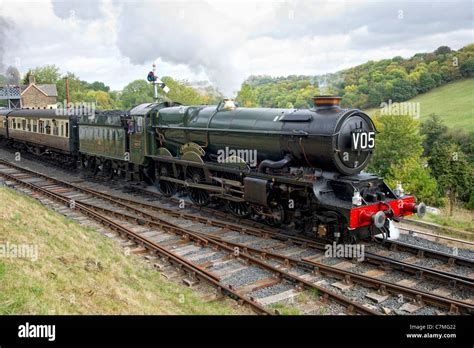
point(416, 179)
point(467, 68)
point(470, 204)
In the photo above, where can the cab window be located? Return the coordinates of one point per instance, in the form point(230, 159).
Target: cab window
point(138, 124)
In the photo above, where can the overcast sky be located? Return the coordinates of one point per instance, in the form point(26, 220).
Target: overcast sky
point(116, 41)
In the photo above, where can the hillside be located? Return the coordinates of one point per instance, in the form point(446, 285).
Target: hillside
point(367, 85)
point(453, 102)
point(75, 270)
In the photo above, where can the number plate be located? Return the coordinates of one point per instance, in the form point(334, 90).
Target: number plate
point(362, 140)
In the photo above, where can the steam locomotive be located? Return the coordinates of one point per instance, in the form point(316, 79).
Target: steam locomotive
point(298, 168)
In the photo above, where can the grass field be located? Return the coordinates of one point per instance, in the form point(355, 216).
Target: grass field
point(454, 103)
point(76, 270)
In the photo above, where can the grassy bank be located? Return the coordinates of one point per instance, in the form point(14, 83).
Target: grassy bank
point(79, 271)
point(462, 219)
point(453, 102)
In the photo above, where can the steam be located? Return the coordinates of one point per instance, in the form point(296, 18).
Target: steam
point(77, 9)
point(13, 76)
point(193, 34)
point(394, 231)
point(4, 27)
point(323, 84)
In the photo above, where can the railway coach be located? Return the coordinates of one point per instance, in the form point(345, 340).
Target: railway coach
point(42, 132)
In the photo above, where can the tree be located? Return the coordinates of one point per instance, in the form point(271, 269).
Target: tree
point(464, 139)
point(43, 75)
point(442, 50)
point(398, 157)
point(426, 82)
point(136, 92)
point(98, 86)
point(436, 132)
point(467, 68)
point(180, 92)
point(470, 204)
point(375, 97)
point(76, 89)
point(102, 99)
point(452, 171)
point(399, 139)
point(402, 90)
point(433, 130)
point(416, 179)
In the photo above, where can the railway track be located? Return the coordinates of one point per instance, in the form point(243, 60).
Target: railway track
point(281, 273)
point(227, 216)
point(436, 236)
point(186, 249)
point(450, 259)
point(384, 289)
point(376, 257)
point(257, 228)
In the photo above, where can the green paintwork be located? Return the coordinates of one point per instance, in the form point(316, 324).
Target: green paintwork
point(235, 162)
point(144, 141)
point(192, 157)
point(163, 151)
point(194, 148)
point(197, 120)
point(104, 141)
point(138, 141)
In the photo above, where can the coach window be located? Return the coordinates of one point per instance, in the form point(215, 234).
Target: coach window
point(67, 129)
point(41, 126)
point(23, 124)
point(35, 126)
point(55, 127)
point(62, 129)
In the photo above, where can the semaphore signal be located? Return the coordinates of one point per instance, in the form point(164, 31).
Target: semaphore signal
point(156, 81)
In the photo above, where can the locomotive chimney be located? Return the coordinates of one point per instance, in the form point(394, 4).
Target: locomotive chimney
point(326, 101)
